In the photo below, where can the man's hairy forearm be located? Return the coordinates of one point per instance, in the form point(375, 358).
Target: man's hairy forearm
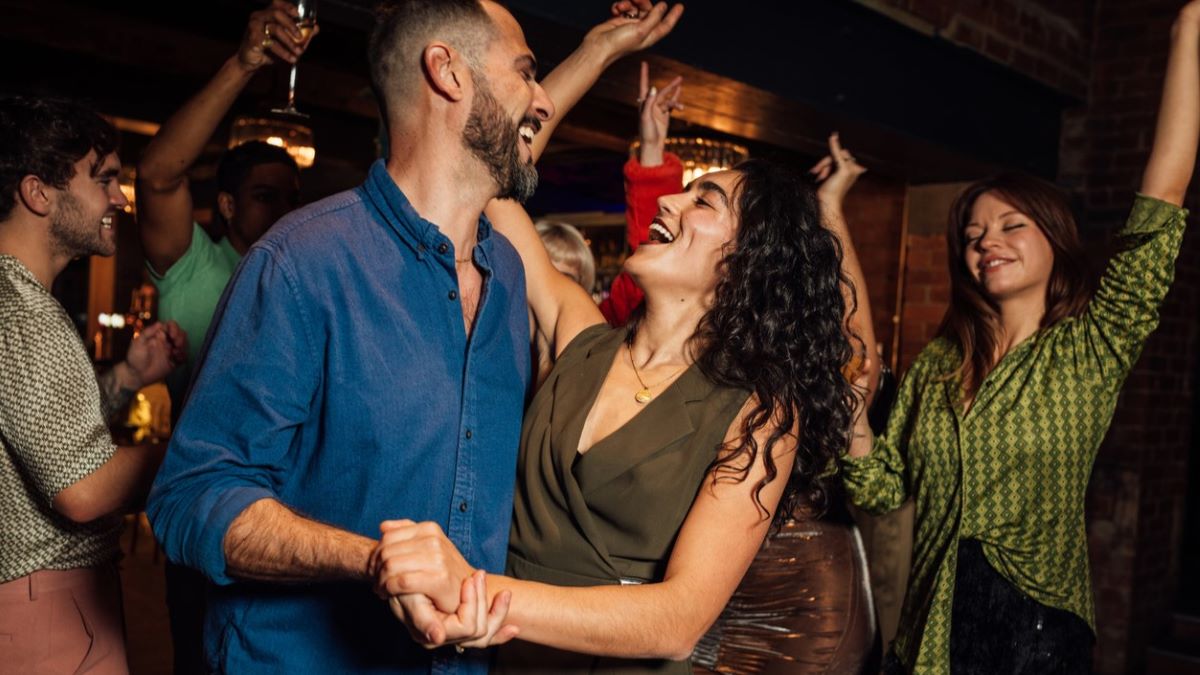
point(269, 542)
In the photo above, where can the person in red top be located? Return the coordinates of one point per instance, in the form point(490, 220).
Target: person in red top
point(652, 174)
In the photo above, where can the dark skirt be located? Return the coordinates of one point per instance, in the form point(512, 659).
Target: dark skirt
point(996, 628)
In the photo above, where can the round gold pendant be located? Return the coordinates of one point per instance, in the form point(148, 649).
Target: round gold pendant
point(643, 396)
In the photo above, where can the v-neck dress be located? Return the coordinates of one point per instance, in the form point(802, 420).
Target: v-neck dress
point(610, 515)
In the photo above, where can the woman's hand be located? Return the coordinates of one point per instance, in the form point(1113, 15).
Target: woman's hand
point(472, 624)
point(837, 173)
point(655, 107)
point(635, 25)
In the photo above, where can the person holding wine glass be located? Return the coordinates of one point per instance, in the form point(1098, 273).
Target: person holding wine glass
point(305, 28)
point(257, 184)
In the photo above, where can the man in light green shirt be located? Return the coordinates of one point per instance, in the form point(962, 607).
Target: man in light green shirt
point(257, 184)
point(189, 290)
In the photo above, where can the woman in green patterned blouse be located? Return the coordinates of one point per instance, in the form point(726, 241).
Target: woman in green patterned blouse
point(998, 421)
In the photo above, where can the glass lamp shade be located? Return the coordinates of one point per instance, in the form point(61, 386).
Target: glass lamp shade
point(702, 155)
point(294, 137)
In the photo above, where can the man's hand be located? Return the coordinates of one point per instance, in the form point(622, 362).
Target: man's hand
point(836, 173)
point(419, 558)
point(272, 32)
point(154, 354)
point(473, 624)
point(635, 25)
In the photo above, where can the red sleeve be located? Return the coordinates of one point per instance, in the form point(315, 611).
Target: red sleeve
point(643, 187)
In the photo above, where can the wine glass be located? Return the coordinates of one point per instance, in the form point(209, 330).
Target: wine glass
point(307, 9)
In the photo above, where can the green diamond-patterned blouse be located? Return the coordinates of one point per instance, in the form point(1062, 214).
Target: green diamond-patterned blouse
point(1013, 470)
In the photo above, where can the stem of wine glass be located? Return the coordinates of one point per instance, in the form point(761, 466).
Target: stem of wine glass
point(291, 101)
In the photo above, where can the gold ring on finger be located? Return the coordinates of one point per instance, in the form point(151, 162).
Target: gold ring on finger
point(460, 649)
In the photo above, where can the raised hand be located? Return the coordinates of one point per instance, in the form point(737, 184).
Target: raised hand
point(154, 353)
point(272, 32)
point(837, 173)
point(635, 25)
point(655, 115)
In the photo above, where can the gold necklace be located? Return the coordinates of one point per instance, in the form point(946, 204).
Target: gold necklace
point(643, 396)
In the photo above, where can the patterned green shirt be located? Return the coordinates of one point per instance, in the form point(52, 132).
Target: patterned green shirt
point(1012, 472)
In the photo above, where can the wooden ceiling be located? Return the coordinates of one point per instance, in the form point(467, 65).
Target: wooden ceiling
point(141, 59)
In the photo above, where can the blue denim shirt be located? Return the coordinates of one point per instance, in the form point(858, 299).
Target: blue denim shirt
point(338, 379)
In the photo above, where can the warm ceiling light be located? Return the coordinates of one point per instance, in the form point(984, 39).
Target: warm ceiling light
point(294, 137)
point(702, 155)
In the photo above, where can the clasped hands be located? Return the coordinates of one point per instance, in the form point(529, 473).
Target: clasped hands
point(434, 591)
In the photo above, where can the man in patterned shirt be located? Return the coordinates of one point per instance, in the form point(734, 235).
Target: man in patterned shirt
point(63, 483)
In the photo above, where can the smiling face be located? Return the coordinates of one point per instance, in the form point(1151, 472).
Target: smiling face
point(507, 109)
point(1006, 251)
point(689, 237)
point(84, 214)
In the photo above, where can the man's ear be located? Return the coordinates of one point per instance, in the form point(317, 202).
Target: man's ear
point(446, 69)
point(35, 195)
point(225, 205)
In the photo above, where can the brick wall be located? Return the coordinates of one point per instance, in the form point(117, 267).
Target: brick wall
point(1045, 40)
point(1136, 500)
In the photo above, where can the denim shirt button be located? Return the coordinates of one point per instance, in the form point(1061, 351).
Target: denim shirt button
point(453, 295)
point(462, 506)
point(468, 434)
point(442, 247)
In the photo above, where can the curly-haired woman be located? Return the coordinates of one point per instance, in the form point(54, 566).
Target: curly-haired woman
point(998, 421)
point(655, 456)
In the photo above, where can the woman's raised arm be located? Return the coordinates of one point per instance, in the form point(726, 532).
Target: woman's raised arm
point(1173, 155)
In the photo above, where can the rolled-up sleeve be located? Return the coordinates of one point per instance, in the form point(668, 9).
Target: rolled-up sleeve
point(257, 383)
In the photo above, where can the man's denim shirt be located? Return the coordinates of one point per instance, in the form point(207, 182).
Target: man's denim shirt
point(339, 380)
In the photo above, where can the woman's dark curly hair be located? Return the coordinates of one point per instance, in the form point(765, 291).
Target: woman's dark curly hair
point(778, 328)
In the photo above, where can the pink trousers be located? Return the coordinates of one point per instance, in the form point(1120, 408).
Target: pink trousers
point(63, 621)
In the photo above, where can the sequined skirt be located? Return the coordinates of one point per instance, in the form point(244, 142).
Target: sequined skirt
point(803, 608)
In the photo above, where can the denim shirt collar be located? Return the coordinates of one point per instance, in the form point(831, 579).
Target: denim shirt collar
point(424, 237)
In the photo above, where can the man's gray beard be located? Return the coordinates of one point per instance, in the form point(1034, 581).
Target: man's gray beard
point(70, 234)
point(492, 138)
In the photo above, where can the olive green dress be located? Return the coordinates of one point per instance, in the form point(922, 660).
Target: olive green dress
point(611, 515)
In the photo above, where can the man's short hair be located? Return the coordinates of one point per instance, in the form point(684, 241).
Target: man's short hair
point(403, 28)
point(236, 163)
point(45, 137)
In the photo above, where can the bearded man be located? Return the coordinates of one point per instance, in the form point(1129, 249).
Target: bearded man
point(370, 359)
point(64, 483)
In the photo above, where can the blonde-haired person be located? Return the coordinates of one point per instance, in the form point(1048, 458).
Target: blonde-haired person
point(570, 254)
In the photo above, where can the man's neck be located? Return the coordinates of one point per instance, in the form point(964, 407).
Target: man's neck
point(443, 182)
point(34, 253)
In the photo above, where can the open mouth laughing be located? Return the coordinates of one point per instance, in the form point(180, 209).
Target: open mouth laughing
point(659, 234)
